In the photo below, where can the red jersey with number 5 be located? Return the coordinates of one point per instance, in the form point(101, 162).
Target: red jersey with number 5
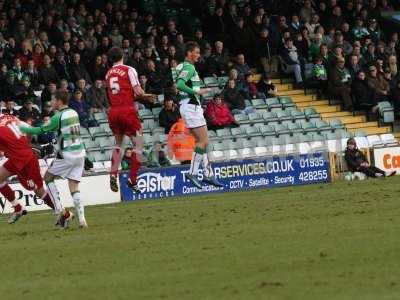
point(13, 143)
point(120, 80)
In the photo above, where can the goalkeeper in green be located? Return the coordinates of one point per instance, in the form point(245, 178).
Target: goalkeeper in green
point(188, 83)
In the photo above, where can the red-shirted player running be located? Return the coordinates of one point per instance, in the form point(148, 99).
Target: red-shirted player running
point(22, 162)
point(123, 88)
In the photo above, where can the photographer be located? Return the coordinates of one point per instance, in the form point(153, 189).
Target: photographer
point(357, 162)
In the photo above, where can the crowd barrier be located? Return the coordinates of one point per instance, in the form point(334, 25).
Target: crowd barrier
point(235, 175)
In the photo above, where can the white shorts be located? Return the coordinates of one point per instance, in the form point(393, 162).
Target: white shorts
point(69, 168)
point(192, 114)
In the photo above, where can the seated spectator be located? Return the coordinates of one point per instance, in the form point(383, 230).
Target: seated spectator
point(24, 90)
point(97, 97)
point(155, 80)
point(127, 159)
point(29, 114)
point(79, 104)
point(47, 110)
point(156, 157)
point(357, 162)
point(221, 58)
point(250, 90)
point(235, 100)
point(10, 109)
point(378, 84)
point(266, 86)
point(169, 115)
point(315, 46)
point(242, 67)
point(77, 69)
point(266, 52)
point(234, 75)
point(320, 75)
point(354, 66)
point(47, 137)
point(181, 142)
point(362, 93)
point(47, 72)
point(49, 92)
point(340, 83)
point(291, 60)
point(218, 115)
point(99, 69)
point(61, 66)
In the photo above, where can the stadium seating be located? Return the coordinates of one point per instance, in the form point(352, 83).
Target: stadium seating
point(291, 122)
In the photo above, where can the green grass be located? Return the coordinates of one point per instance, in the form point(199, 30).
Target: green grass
point(333, 241)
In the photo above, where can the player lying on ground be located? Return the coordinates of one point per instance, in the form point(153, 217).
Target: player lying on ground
point(188, 83)
point(70, 159)
point(22, 162)
point(123, 88)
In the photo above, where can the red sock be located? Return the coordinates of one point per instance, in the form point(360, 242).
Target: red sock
point(115, 161)
point(135, 166)
point(7, 192)
point(46, 199)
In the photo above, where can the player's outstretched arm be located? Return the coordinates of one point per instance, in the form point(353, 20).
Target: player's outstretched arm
point(182, 86)
point(51, 126)
point(141, 96)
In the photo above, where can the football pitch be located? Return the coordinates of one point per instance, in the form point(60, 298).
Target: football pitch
point(331, 241)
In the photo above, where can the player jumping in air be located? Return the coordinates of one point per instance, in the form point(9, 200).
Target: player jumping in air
point(188, 83)
point(123, 88)
point(70, 160)
point(22, 162)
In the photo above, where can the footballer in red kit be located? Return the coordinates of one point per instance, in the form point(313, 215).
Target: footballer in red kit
point(21, 162)
point(123, 88)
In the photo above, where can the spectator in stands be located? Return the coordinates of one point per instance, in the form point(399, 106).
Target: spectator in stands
point(250, 90)
point(320, 75)
point(79, 104)
point(61, 67)
point(220, 58)
point(235, 100)
point(169, 115)
point(47, 72)
point(99, 69)
point(357, 162)
point(97, 97)
point(266, 86)
point(340, 83)
point(33, 74)
point(291, 60)
point(29, 114)
point(362, 93)
point(49, 92)
point(155, 81)
point(354, 66)
point(156, 158)
point(126, 159)
point(218, 115)
point(23, 90)
point(10, 108)
point(378, 84)
point(266, 52)
point(77, 69)
point(242, 67)
point(47, 110)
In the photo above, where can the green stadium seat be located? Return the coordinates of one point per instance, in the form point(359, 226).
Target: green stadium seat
point(322, 125)
point(283, 115)
point(247, 103)
point(270, 117)
point(156, 111)
point(149, 125)
point(252, 131)
point(100, 117)
point(294, 128)
point(218, 147)
point(386, 112)
point(336, 124)
point(297, 115)
point(308, 126)
point(237, 131)
point(259, 103)
point(311, 113)
point(97, 131)
point(84, 132)
point(223, 80)
point(89, 143)
point(105, 142)
point(330, 135)
point(241, 118)
point(360, 133)
point(286, 102)
point(106, 127)
point(255, 117)
point(211, 81)
point(273, 103)
point(281, 129)
point(223, 132)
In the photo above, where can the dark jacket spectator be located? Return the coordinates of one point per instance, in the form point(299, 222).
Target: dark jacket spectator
point(77, 69)
point(97, 97)
point(10, 109)
point(233, 97)
point(80, 105)
point(218, 114)
point(47, 73)
point(357, 162)
point(169, 115)
point(361, 91)
point(378, 84)
point(29, 114)
point(340, 83)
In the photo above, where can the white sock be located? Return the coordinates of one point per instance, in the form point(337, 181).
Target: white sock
point(195, 163)
point(79, 207)
point(206, 166)
point(55, 197)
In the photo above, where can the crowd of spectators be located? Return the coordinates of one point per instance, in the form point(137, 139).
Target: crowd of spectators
point(63, 44)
